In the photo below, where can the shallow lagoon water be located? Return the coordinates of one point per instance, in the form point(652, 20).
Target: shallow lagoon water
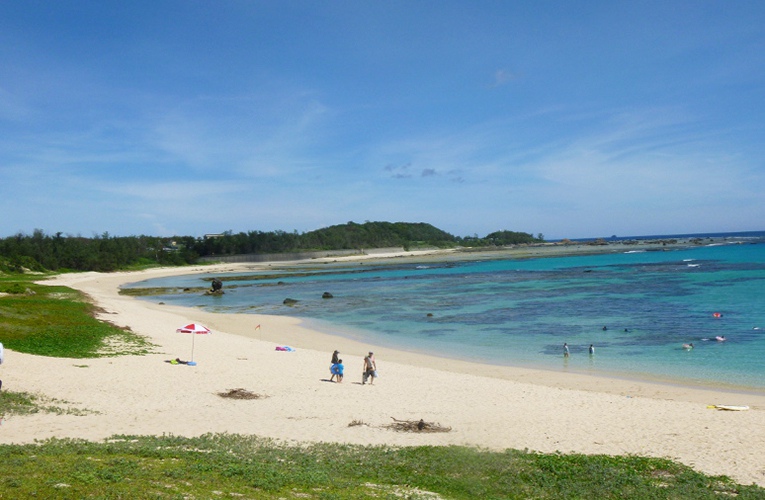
point(520, 312)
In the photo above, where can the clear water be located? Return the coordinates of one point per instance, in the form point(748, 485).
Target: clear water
point(520, 312)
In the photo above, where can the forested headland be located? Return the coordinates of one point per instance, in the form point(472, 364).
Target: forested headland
point(43, 252)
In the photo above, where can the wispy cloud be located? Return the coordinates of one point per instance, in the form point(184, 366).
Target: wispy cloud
point(248, 135)
point(503, 77)
point(399, 171)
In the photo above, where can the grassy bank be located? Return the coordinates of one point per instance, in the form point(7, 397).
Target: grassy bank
point(58, 321)
point(14, 403)
point(225, 466)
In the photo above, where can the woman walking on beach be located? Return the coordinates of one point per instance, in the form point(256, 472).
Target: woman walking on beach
point(333, 364)
point(370, 369)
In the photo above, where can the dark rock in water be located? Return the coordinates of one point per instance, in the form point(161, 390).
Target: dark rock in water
point(217, 284)
point(289, 302)
point(327, 295)
point(430, 315)
point(215, 293)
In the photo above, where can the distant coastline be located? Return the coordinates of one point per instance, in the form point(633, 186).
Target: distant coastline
point(559, 248)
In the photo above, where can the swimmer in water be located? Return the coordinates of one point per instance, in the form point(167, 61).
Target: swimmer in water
point(688, 347)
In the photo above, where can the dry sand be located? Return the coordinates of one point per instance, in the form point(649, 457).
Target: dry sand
point(486, 406)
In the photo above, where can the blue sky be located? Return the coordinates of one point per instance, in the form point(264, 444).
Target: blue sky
point(571, 119)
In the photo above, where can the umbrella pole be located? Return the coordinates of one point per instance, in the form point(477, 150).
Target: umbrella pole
point(192, 346)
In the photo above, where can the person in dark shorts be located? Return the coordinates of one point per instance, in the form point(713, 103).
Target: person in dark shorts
point(370, 369)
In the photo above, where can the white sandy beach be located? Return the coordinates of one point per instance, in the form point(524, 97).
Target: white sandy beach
point(486, 406)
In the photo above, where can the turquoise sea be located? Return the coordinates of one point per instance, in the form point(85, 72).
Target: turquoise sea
point(520, 312)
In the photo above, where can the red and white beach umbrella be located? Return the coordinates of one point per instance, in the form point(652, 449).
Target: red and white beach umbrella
point(194, 329)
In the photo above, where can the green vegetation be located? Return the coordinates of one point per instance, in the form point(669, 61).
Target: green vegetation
point(40, 252)
point(377, 235)
point(22, 403)
point(500, 238)
point(58, 321)
point(225, 466)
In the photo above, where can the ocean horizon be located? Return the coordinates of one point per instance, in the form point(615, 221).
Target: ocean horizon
point(636, 308)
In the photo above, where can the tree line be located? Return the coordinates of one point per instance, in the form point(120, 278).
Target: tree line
point(104, 252)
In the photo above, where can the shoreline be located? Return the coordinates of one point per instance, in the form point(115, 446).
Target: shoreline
point(488, 406)
point(567, 377)
point(682, 389)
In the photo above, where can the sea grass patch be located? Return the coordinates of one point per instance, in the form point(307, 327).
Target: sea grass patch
point(416, 426)
point(407, 426)
point(241, 393)
point(14, 403)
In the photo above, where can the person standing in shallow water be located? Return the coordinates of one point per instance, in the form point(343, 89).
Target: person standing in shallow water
point(565, 350)
point(592, 349)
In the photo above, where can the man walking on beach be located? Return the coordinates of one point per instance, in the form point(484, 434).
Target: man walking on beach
point(370, 369)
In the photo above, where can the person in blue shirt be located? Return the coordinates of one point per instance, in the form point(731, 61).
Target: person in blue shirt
point(335, 360)
point(337, 370)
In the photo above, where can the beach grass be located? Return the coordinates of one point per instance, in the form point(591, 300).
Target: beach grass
point(225, 466)
point(14, 403)
point(59, 321)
